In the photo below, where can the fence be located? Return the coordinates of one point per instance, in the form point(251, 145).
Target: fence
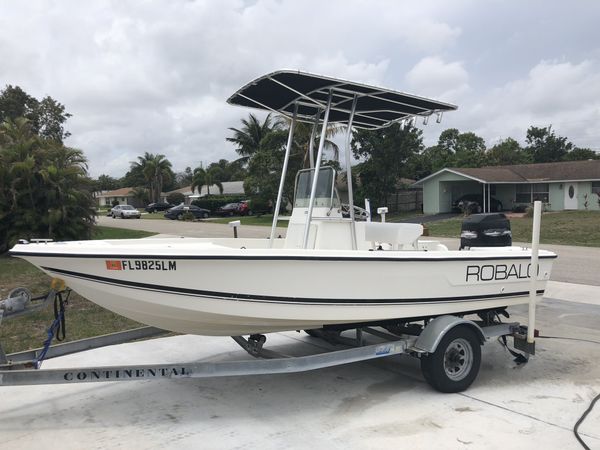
point(406, 200)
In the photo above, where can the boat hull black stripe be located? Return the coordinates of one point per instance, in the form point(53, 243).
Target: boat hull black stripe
point(275, 258)
point(276, 299)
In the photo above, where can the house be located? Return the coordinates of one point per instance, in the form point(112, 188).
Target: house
point(229, 188)
point(124, 196)
point(561, 186)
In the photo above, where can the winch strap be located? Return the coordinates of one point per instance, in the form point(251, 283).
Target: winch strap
point(57, 328)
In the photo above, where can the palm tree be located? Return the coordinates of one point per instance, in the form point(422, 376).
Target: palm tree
point(207, 177)
point(156, 170)
point(302, 135)
point(249, 137)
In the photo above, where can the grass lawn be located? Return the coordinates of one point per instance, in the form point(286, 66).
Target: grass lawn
point(266, 220)
point(83, 318)
point(565, 227)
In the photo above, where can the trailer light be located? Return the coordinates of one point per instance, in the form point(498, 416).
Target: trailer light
point(468, 234)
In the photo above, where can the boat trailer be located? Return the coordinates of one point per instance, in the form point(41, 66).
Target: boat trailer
point(447, 367)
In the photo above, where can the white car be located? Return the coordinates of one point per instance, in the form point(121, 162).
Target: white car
point(125, 212)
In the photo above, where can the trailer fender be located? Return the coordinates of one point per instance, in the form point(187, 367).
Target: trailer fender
point(433, 333)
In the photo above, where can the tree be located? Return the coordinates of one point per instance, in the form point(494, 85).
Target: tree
point(175, 198)
point(105, 183)
point(467, 149)
point(46, 117)
point(507, 152)
point(156, 170)
point(44, 187)
point(385, 153)
point(545, 146)
point(249, 137)
point(141, 195)
point(581, 154)
point(183, 179)
point(208, 177)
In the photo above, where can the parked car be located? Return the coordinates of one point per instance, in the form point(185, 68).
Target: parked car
point(158, 206)
point(125, 212)
point(473, 203)
point(235, 209)
point(177, 212)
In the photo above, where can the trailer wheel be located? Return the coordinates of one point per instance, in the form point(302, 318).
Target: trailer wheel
point(455, 363)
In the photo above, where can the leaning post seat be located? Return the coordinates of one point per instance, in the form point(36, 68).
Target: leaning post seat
point(396, 234)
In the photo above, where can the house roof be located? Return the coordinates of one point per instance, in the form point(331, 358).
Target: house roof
point(375, 107)
point(528, 173)
point(123, 192)
point(229, 187)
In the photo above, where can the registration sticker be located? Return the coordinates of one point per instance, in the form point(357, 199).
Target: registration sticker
point(112, 264)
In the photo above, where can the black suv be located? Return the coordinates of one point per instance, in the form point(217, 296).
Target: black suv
point(473, 203)
point(158, 206)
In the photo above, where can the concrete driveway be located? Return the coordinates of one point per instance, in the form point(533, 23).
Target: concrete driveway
point(379, 405)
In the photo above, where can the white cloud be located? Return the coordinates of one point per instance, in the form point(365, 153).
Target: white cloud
point(446, 81)
point(154, 76)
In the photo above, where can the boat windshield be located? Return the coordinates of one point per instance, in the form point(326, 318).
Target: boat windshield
point(325, 195)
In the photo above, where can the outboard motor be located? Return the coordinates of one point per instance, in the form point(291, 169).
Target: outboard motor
point(485, 230)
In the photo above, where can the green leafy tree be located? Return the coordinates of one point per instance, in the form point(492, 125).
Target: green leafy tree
point(105, 183)
point(175, 198)
point(507, 152)
point(545, 146)
point(44, 187)
point(46, 117)
point(581, 154)
point(385, 153)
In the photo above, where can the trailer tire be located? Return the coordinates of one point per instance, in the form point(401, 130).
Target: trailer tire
point(455, 363)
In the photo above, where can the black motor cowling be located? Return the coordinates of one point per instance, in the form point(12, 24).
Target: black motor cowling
point(485, 230)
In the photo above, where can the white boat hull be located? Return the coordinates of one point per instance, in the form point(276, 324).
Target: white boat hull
point(199, 288)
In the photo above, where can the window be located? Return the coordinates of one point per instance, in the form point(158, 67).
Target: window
point(540, 192)
point(325, 188)
point(523, 193)
point(596, 187)
point(528, 193)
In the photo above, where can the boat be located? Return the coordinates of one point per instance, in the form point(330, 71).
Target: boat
point(330, 269)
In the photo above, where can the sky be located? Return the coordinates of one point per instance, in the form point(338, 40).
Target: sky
point(154, 76)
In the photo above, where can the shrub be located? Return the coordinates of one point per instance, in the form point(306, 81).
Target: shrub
point(213, 202)
point(115, 203)
point(519, 208)
point(188, 216)
point(176, 198)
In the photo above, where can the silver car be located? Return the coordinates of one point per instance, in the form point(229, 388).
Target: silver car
point(125, 212)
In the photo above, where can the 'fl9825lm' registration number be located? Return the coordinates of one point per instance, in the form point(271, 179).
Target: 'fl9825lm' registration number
point(136, 264)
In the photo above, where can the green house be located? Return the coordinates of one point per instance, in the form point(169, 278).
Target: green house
point(560, 185)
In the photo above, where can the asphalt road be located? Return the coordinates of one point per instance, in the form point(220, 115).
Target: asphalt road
point(579, 265)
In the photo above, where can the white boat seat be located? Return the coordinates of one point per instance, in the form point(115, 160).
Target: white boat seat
point(396, 234)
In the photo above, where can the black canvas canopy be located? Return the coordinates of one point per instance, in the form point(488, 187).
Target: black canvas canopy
point(375, 108)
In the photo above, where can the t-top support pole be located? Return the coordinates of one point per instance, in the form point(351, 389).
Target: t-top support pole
point(349, 174)
point(283, 173)
point(311, 145)
point(533, 274)
point(313, 190)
